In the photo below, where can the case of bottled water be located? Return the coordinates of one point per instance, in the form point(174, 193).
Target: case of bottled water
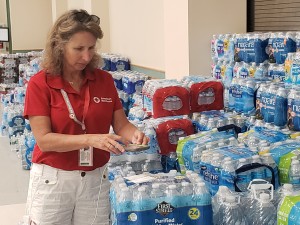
point(165, 98)
point(115, 62)
point(207, 95)
point(163, 198)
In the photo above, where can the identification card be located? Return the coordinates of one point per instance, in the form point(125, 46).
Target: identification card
point(86, 156)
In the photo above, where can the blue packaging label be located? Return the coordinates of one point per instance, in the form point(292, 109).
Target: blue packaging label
point(294, 115)
point(166, 214)
point(268, 101)
point(280, 116)
point(220, 48)
point(280, 48)
point(248, 99)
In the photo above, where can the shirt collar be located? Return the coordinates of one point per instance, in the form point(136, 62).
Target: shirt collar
point(57, 82)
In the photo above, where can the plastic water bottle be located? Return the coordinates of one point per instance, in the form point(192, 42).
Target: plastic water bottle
point(233, 214)
point(243, 178)
point(268, 160)
point(280, 117)
point(125, 200)
point(201, 194)
point(231, 97)
point(215, 172)
point(266, 212)
point(218, 203)
point(205, 168)
point(228, 175)
point(285, 190)
point(172, 196)
point(141, 200)
point(196, 157)
point(186, 194)
point(294, 174)
point(258, 173)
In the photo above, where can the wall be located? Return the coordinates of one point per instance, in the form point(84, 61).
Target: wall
point(137, 31)
point(58, 8)
point(101, 9)
point(207, 18)
point(3, 12)
point(176, 38)
point(30, 23)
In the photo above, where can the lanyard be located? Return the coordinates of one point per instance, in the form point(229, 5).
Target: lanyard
point(71, 110)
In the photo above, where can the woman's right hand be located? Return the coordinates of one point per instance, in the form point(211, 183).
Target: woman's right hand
point(107, 142)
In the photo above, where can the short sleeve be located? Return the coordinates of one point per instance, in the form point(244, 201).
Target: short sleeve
point(37, 98)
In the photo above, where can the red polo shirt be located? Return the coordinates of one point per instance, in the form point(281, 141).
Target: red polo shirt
point(43, 98)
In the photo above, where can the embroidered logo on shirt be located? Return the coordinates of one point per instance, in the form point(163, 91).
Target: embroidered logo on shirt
point(96, 99)
point(102, 99)
point(106, 99)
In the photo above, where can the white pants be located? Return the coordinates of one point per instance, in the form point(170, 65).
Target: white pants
point(59, 197)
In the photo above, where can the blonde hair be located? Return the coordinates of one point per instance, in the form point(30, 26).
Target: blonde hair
point(63, 29)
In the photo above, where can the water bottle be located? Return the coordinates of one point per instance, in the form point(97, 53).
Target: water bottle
point(270, 103)
point(204, 167)
point(231, 97)
point(157, 195)
point(280, 117)
point(233, 214)
point(239, 103)
point(260, 109)
point(172, 196)
point(125, 198)
point(218, 203)
point(248, 98)
point(228, 175)
point(268, 160)
point(266, 212)
point(186, 194)
point(258, 173)
point(201, 194)
point(210, 124)
point(141, 199)
point(196, 157)
point(294, 174)
point(243, 178)
point(285, 190)
point(215, 172)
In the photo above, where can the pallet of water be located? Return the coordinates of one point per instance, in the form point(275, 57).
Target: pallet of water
point(221, 160)
point(163, 198)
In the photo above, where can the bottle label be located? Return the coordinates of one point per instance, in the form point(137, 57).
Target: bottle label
point(284, 167)
point(288, 213)
point(165, 214)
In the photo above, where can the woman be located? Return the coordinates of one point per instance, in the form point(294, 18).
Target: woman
point(71, 105)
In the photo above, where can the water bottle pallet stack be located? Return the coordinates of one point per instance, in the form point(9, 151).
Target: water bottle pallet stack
point(191, 94)
point(129, 85)
point(163, 198)
point(13, 123)
point(115, 62)
point(9, 67)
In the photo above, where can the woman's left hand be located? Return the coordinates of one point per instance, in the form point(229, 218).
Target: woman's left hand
point(139, 138)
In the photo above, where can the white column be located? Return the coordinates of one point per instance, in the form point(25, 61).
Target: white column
point(176, 39)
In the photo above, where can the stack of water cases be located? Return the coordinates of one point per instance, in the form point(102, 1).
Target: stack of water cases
point(205, 93)
point(165, 98)
point(131, 163)
point(258, 59)
point(13, 123)
point(191, 94)
point(129, 85)
point(115, 62)
point(8, 71)
point(9, 68)
point(163, 198)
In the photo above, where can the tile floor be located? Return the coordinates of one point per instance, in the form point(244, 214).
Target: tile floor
point(13, 184)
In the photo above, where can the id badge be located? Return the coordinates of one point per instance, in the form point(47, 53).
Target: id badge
point(86, 156)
